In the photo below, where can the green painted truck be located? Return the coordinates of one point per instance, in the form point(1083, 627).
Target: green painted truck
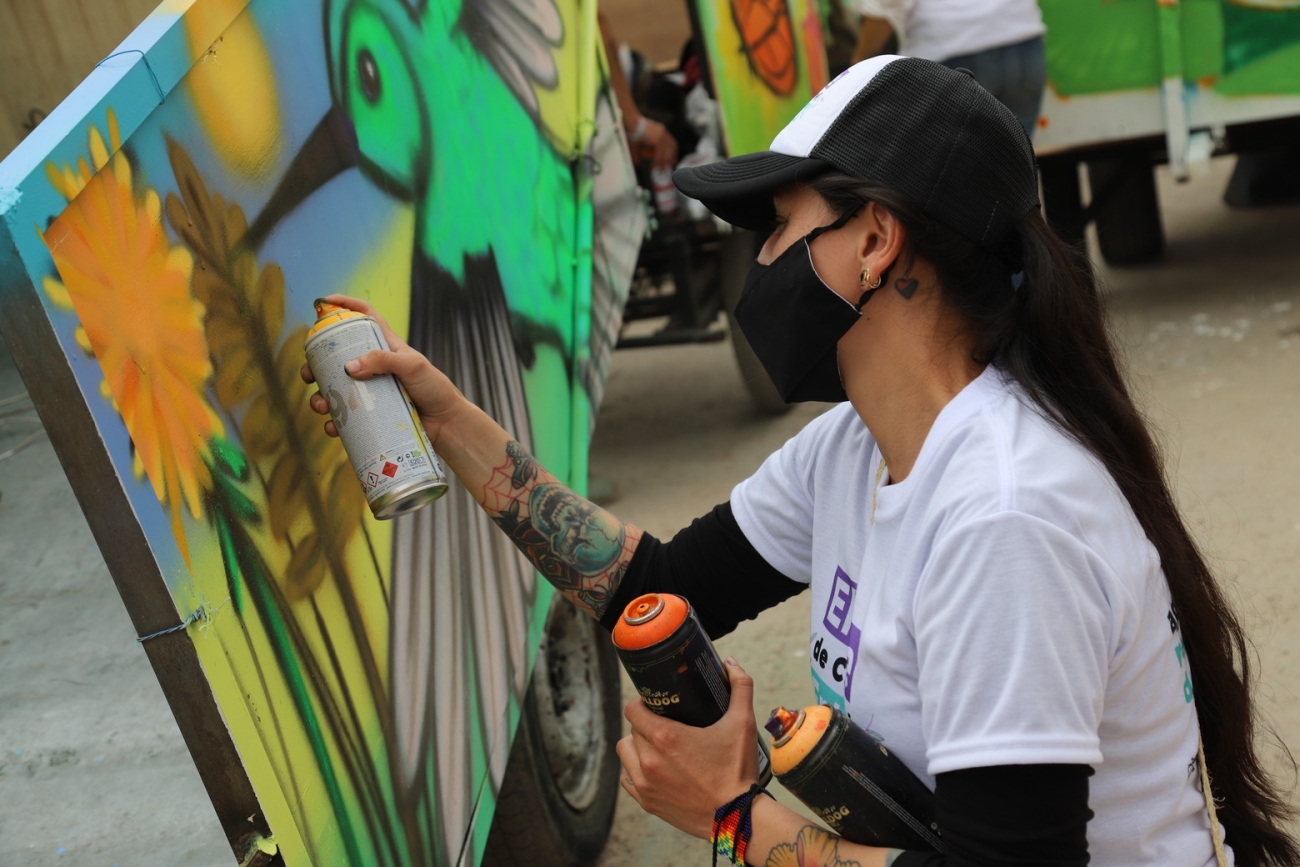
point(1135, 83)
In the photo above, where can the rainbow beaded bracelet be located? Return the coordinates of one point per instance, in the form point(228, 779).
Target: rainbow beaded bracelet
point(733, 824)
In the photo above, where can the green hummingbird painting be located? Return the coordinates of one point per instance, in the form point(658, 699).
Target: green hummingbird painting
point(436, 102)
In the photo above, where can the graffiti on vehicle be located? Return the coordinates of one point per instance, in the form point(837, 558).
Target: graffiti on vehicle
point(424, 156)
point(767, 60)
point(1231, 47)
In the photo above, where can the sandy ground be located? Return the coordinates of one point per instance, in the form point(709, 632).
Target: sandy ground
point(93, 770)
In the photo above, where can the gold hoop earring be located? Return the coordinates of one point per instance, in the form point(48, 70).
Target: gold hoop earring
point(866, 275)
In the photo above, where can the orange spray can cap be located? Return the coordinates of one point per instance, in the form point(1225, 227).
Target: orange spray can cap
point(649, 619)
point(327, 314)
point(794, 734)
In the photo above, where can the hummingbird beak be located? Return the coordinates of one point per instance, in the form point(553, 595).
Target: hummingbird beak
point(330, 149)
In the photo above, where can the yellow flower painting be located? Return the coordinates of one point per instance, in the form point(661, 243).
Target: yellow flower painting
point(130, 288)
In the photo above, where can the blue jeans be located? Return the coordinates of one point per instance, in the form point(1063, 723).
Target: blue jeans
point(1013, 73)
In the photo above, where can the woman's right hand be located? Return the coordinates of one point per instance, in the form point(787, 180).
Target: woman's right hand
point(585, 551)
point(435, 397)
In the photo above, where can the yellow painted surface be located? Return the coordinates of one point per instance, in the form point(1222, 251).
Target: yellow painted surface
point(233, 86)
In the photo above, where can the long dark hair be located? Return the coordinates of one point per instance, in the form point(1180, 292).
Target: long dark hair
point(1050, 335)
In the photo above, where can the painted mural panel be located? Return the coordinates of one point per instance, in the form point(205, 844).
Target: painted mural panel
point(767, 59)
point(175, 219)
point(1232, 47)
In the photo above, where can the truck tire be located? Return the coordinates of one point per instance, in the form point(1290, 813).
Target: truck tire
point(556, 802)
point(735, 257)
point(1265, 178)
point(1126, 209)
point(1062, 198)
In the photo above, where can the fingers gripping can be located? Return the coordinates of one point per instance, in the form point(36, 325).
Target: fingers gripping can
point(851, 780)
point(380, 429)
point(673, 665)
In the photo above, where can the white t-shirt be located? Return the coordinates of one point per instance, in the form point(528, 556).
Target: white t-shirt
point(942, 29)
point(999, 606)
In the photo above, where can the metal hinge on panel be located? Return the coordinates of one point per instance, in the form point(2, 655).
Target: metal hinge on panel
point(257, 850)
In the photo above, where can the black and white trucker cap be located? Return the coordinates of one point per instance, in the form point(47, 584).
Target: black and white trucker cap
point(927, 131)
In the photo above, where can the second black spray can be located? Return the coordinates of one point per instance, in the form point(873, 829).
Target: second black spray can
point(851, 780)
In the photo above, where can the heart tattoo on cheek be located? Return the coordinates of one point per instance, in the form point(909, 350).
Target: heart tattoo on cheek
point(906, 286)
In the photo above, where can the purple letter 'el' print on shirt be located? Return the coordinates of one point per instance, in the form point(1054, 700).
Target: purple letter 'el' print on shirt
point(839, 610)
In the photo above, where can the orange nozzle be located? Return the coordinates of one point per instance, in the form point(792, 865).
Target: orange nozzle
point(778, 725)
point(649, 619)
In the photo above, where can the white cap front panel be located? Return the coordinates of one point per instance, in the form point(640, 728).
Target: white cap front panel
point(810, 124)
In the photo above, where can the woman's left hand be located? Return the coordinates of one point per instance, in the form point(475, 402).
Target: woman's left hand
point(683, 774)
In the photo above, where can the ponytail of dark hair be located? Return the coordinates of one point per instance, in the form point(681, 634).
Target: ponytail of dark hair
point(1050, 335)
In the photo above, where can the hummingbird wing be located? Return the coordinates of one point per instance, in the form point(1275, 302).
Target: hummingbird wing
point(462, 592)
point(520, 39)
point(620, 218)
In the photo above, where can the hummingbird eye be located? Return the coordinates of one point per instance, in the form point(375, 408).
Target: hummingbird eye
point(368, 75)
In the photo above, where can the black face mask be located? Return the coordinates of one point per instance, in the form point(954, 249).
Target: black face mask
point(793, 321)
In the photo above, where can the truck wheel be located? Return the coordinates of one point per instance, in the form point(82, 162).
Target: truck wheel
point(556, 803)
point(1062, 198)
point(734, 259)
point(1126, 208)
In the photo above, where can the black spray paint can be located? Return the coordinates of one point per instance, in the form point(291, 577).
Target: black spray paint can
point(851, 780)
point(673, 665)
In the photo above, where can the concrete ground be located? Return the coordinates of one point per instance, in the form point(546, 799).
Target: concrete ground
point(93, 771)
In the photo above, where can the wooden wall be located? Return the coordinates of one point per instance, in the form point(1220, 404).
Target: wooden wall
point(656, 28)
point(47, 47)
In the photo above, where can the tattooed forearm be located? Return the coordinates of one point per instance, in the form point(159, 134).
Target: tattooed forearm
point(579, 547)
point(814, 847)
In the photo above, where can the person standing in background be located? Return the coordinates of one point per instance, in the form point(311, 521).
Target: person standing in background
point(999, 41)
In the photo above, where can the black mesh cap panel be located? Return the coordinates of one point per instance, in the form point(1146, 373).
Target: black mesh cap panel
point(943, 141)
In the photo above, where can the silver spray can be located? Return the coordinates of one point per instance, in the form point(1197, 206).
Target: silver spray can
point(379, 426)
